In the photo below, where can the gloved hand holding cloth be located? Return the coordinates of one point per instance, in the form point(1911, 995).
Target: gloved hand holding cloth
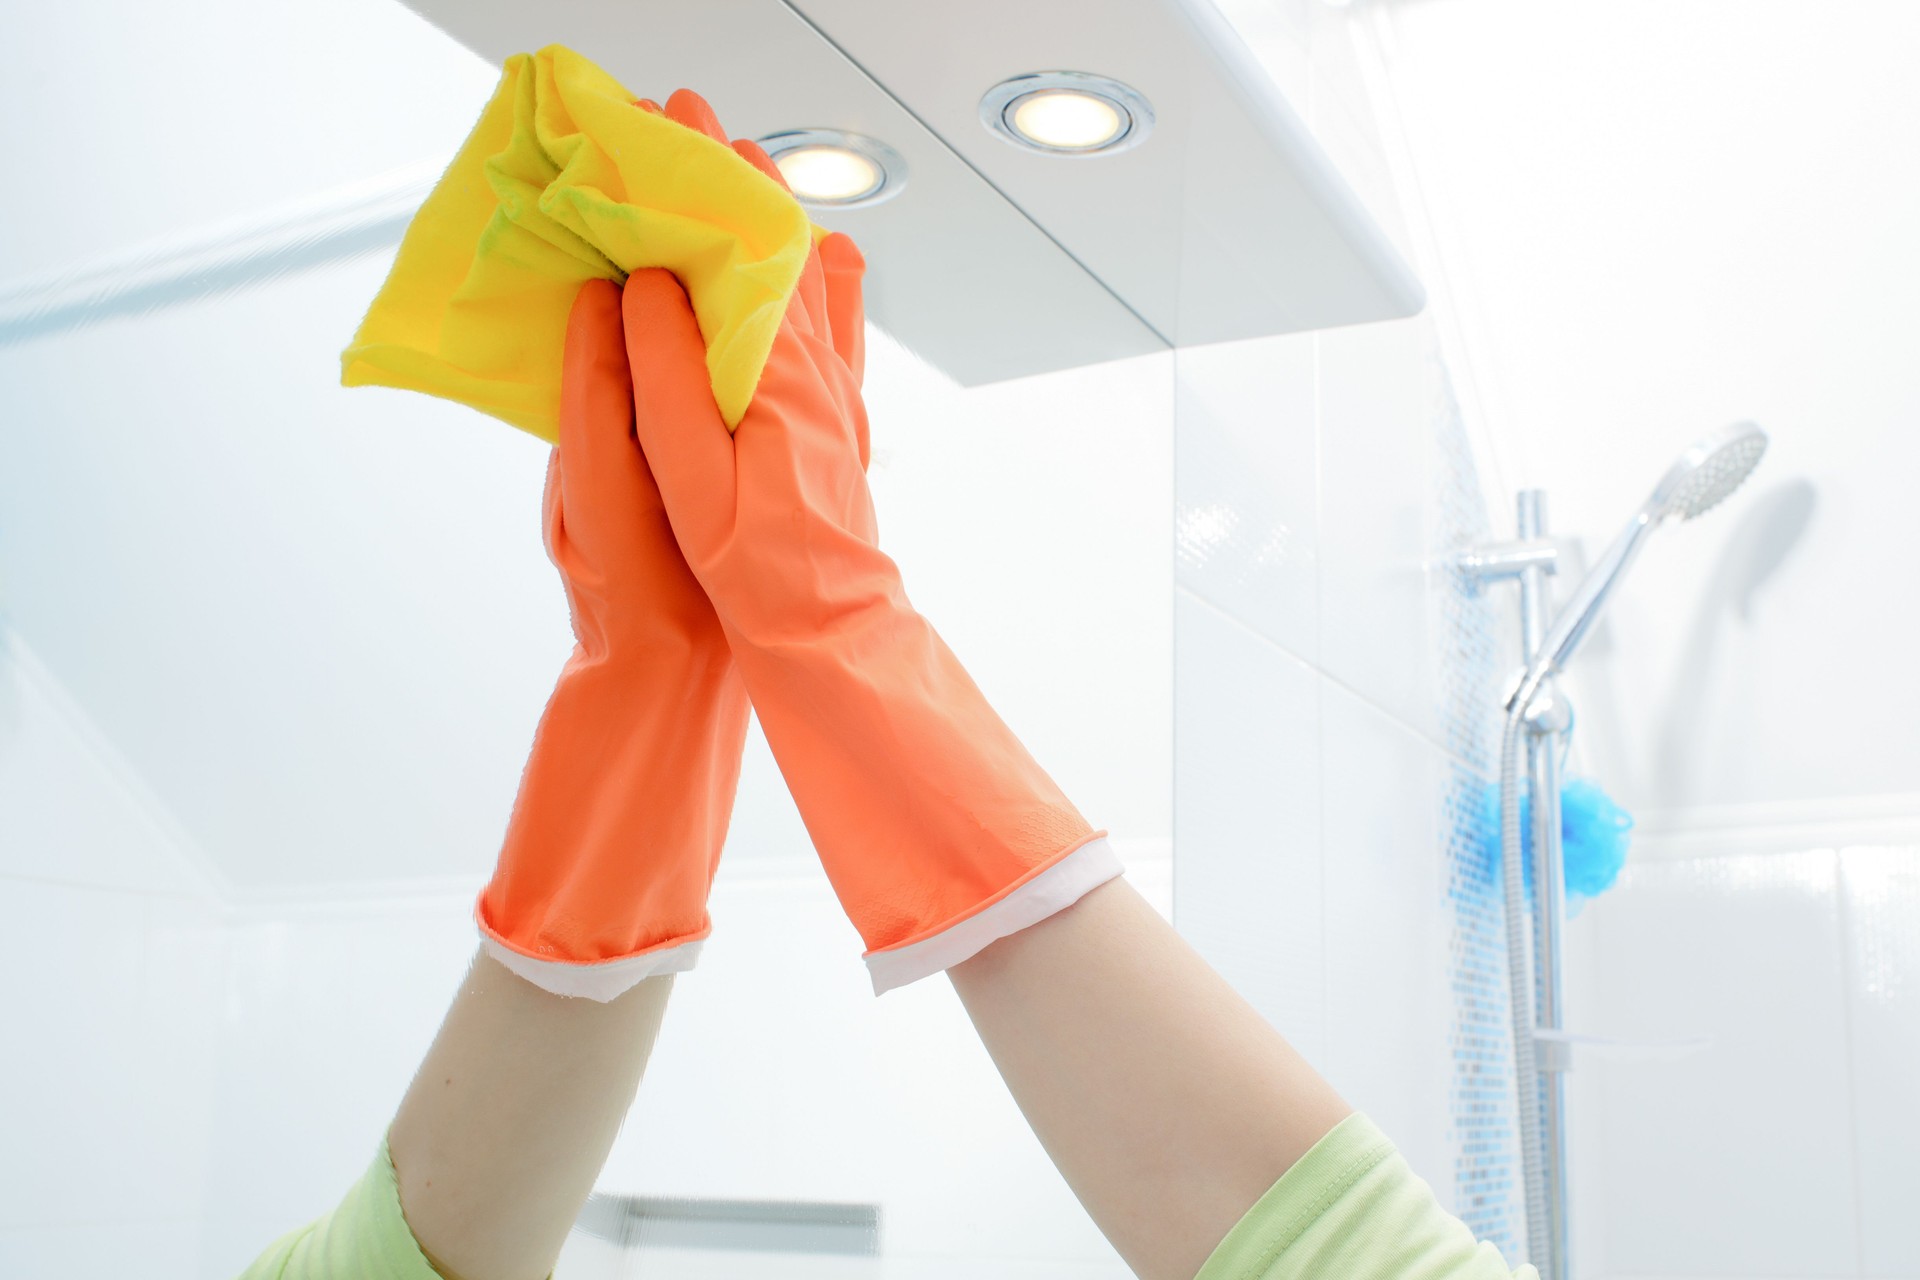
point(743, 334)
point(938, 830)
point(505, 296)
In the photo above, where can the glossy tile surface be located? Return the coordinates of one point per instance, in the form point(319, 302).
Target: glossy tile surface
point(1483, 1125)
point(75, 1069)
point(103, 1251)
point(1031, 521)
point(1880, 900)
point(819, 1091)
point(329, 1007)
point(1736, 1160)
point(1388, 998)
point(1377, 492)
point(1246, 468)
point(1247, 841)
point(108, 1079)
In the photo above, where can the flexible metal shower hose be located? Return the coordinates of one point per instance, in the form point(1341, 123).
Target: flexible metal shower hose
point(1526, 1070)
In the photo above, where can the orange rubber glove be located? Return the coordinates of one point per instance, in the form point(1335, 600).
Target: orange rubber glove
point(611, 851)
point(939, 832)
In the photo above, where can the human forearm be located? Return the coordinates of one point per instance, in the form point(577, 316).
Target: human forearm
point(1166, 1101)
point(506, 1125)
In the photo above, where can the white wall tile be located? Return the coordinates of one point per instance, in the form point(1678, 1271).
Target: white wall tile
point(1338, 78)
point(1003, 1269)
point(1346, 123)
point(1376, 486)
point(1483, 1142)
point(1586, 1103)
point(1247, 859)
point(110, 970)
point(1881, 908)
point(1389, 1004)
point(182, 990)
point(1031, 522)
point(588, 1258)
point(114, 999)
point(1735, 1160)
point(1246, 482)
point(81, 1073)
point(760, 1035)
point(103, 1251)
point(1280, 34)
point(778, 1075)
point(329, 1008)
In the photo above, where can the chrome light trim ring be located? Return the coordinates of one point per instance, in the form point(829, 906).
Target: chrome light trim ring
point(891, 165)
point(998, 104)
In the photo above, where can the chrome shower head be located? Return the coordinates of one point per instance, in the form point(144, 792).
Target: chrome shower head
point(1708, 472)
point(1700, 480)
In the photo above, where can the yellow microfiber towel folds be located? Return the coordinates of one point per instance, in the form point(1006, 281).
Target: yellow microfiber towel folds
point(565, 180)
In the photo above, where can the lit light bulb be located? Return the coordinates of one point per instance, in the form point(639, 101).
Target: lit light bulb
point(830, 174)
point(1067, 113)
point(1068, 119)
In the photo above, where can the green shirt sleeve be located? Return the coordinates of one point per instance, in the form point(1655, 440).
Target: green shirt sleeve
point(364, 1238)
point(1352, 1207)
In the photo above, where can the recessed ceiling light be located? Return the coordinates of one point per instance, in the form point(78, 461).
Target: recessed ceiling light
point(1067, 113)
point(835, 169)
point(1066, 119)
point(829, 173)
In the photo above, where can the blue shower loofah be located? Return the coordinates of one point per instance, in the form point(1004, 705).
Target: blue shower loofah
point(1593, 838)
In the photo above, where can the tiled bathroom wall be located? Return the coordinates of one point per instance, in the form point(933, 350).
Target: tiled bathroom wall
point(1760, 1116)
point(1335, 692)
point(1749, 693)
point(1335, 686)
point(1334, 695)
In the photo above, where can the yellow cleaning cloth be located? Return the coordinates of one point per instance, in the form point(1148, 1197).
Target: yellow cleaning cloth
point(562, 181)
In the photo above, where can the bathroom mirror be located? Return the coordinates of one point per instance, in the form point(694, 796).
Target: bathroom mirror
point(274, 652)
